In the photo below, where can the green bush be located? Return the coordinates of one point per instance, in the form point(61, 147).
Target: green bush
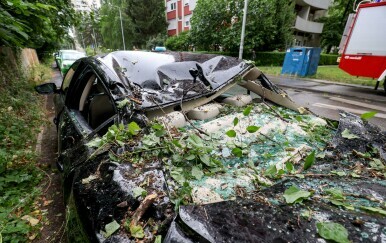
point(274, 58)
point(328, 59)
point(178, 43)
point(269, 58)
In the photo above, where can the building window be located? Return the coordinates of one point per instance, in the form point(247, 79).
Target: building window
point(173, 6)
point(186, 2)
point(187, 23)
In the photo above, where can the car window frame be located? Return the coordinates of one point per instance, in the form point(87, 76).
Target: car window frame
point(75, 89)
point(76, 73)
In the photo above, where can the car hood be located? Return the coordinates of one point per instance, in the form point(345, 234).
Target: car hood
point(68, 62)
point(235, 177)
point(246, 202)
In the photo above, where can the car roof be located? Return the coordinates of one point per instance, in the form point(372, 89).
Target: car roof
point(75, 51)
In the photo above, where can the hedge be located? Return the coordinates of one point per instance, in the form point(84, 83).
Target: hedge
point(275, 58)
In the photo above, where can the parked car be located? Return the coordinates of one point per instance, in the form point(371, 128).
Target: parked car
point(160, 146)
point(65, 58)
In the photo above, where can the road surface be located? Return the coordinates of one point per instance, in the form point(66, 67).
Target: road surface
point(326, 98)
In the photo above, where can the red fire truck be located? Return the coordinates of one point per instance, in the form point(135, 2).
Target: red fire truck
point(363, 46)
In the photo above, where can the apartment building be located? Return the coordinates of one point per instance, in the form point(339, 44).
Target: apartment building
point(178, 14)
point(86, 5)
point(306, 30)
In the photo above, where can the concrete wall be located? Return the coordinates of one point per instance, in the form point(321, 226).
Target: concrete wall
point(26, 57)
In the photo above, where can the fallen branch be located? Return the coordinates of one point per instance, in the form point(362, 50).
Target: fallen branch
point(145, 204)
point(191, 123)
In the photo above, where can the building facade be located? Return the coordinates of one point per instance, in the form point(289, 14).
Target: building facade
point(86, 5)
point(306, 30)
point(178, 14)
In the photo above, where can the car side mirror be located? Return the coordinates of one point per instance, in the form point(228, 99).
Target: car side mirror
point(47, 88)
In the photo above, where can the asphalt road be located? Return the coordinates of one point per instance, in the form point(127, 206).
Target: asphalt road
point(326, 98)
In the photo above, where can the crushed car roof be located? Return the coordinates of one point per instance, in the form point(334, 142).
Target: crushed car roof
point(166, 78)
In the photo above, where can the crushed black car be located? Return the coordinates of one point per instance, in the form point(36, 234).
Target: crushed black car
point(153, 147)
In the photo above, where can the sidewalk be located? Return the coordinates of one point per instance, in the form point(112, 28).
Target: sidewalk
point(329, 87)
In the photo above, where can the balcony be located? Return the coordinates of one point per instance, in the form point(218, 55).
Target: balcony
point(315, 4)
point(308, 26)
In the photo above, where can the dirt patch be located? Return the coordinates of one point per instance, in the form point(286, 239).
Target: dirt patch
point(51, 200)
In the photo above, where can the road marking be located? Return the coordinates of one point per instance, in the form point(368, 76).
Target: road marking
point(356, 111)
point(352, 102)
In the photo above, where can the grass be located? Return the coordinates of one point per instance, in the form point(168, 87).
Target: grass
point(329, 73)
point(20, 120)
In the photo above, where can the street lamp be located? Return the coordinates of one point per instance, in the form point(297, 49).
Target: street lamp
point(243, 29)
point(123, 36)
point(120, 17)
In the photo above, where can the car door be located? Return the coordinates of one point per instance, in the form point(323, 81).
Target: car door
point(87, 106)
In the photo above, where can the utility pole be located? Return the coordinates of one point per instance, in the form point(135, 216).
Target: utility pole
point(243, 29)
point(123, 36)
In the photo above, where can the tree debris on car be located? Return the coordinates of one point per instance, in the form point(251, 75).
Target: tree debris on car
point(184, 162)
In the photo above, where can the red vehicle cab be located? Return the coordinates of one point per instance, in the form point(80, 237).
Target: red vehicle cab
point(364, 51)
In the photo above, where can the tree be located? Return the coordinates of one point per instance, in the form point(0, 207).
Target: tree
point(148, 18)
point(218, 22)
point(158, 40)
point(334, 23)
point(88, 30)
point(36, 24)
point(110, 25)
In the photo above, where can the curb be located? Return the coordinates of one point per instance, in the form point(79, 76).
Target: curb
point(321, 81)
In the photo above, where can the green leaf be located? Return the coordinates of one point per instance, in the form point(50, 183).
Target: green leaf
point(231, 133)
point(374, 210)
point(339, 173)
point(133, 128)
point(190, 157)
point(252, 129)
point(340, 203)
point(347, 134)
point(95, 143)
point(247, 111)
point(235, 121)
point(136, 231)
point(157, 127)
point(333, 231)
point(377, 164)
point(177, 174)
point(295, 195)
point(368, 115)
point(138, 191)
point(110, 228)
point(271, 171)
point(197, 173)
point(123, 103)
point(237, 152)
point(309, 160)
point(289, 166)
point(336, 193)
point(195, 140)
point(205, 159)
point(158, 239)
